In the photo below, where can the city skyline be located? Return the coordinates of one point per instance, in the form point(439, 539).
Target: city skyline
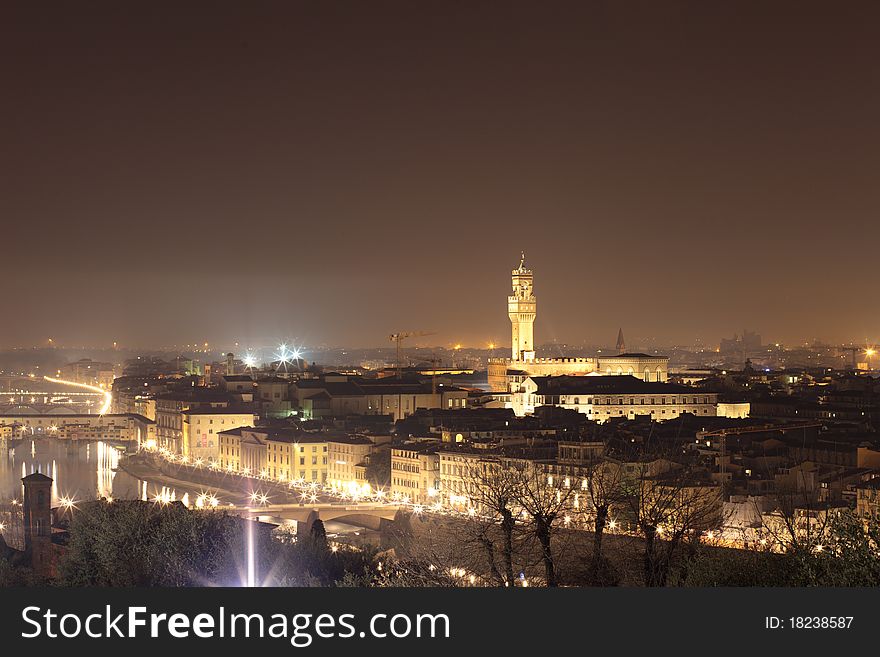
point(435, 339)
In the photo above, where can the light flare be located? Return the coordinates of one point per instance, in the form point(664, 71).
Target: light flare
point(108, 396)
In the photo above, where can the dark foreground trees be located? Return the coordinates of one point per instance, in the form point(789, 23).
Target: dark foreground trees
point(137, 544)
point(849, 556)
point(141, 544)
point(13, 575)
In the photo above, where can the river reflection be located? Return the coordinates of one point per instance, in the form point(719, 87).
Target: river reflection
point(80, 470)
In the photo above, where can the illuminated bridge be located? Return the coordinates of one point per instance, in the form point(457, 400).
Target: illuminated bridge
point(371, 517)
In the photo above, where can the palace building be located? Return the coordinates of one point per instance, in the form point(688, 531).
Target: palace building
point(507, 375)
point(603, 398)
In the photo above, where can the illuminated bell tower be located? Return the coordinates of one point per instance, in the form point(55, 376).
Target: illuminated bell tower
point(521, 308)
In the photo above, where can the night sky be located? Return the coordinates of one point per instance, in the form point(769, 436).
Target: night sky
point(331, 172)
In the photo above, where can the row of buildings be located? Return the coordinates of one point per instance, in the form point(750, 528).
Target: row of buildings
point(765, 480)
point(286, 453)
point(188, 416)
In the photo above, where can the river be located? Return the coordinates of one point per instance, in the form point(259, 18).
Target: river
point(81, 471)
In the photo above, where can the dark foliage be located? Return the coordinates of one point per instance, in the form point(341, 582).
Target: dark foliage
point(136, 544)
point(850, 558)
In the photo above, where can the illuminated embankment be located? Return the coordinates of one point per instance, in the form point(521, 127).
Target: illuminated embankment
point(108, 396)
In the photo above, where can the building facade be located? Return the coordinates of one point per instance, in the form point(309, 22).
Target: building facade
point(607, 397)
point(340, 395)
point(169, 413)
point(242, 450)
point(202, 426)
point(279, 453)
point(346, 468)
point(415, 472)
point(457, 475)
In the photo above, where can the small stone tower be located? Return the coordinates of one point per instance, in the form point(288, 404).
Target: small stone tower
point(37, 521)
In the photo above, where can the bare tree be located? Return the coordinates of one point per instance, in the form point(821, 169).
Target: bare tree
point(670, 503)
point(494, 490)
point(545, 503)
point(604, 490)
point(801, 522)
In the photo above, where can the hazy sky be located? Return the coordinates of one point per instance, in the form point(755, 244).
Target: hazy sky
point(336, 171)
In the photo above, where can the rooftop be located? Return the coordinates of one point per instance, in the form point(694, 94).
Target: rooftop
point(357, 387)
point(36, 476)
point(225, 410)
point(197, 394)
point(351, 440)
point(622, 384)
point(293, 435)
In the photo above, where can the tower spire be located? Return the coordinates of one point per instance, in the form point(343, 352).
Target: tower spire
point(621, 344)
point(522, 260)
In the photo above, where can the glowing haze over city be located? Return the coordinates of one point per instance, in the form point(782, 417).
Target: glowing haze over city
point(230, 178)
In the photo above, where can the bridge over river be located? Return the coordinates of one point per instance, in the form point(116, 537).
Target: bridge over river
point(257, 498)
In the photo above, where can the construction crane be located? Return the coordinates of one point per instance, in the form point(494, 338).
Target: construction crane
point(401, 336)
point(854, 351)
point(868, 351)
